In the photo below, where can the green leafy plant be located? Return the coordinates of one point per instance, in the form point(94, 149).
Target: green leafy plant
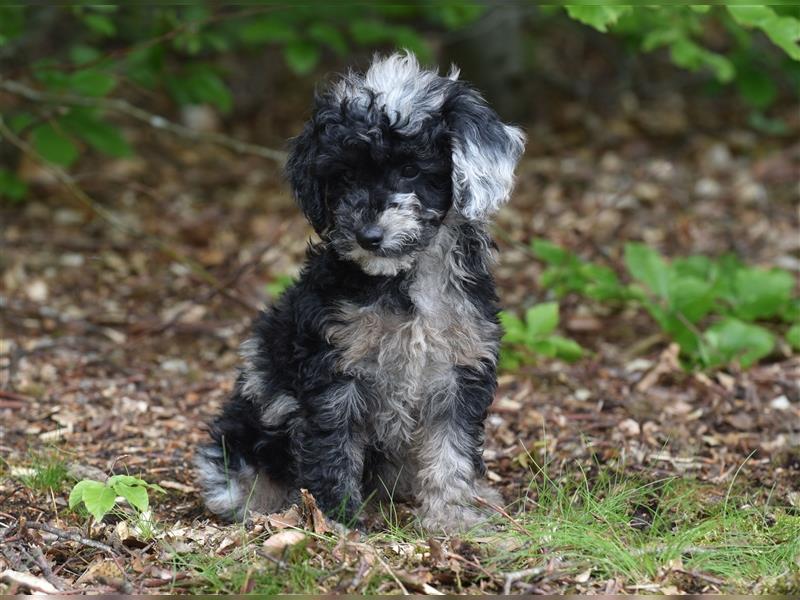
point(718, 311)
point(532, 336)
point(680, 29)
point(277, 286)
point(100, 498)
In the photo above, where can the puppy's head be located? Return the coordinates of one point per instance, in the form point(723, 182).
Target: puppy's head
point(388, 154)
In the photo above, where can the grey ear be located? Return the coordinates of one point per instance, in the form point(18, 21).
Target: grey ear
point(485, 153)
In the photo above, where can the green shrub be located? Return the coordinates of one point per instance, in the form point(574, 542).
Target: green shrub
point(718, 311)
point(525, 339)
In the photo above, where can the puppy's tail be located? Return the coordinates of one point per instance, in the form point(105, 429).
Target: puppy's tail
point(240, 470)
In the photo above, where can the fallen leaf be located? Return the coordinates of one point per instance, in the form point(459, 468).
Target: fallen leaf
point(277, 544)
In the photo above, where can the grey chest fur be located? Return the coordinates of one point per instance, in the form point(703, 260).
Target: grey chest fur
point(407, 358)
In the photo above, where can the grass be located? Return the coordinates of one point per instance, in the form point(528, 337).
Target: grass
point(46, 472)
point(673, 531)
point(625, 528)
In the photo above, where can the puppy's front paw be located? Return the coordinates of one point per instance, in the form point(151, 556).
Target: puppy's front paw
point(452, 518)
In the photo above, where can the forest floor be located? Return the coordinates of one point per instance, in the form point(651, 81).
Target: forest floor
point(622, 472)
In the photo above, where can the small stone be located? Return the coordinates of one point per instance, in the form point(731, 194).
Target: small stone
point(780, 403)
point(37, 290)
point(582, 395)
point(71, 259)
point(707, 188)
point(175, 365)
point(719, 157)
point(629, 428)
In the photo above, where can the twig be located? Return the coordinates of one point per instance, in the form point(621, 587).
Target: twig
point(44, 565)
point(71, 536)
point(511, 578)
point(153, 120)
point(697, 575)
point(196, 268)
point(501, 511)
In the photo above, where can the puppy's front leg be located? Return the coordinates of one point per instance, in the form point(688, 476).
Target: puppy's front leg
point(331, 447)
point(450, 451)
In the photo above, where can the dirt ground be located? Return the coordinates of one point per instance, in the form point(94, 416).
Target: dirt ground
point(117, 346)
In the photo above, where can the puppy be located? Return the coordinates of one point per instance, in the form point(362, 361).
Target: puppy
point(374, 372)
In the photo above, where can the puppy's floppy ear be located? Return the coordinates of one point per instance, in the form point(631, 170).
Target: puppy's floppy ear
point(485, 153)
point(301, 173)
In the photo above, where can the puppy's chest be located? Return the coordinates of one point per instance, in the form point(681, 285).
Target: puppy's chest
point(407, 358)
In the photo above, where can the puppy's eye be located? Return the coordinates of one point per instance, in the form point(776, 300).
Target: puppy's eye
point(409, 171)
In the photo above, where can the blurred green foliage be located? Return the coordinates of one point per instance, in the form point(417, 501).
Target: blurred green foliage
point(524, 339)
point(718, 311)
point(174, 49)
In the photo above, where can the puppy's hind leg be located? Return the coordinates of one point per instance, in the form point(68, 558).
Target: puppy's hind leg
point(233, 469)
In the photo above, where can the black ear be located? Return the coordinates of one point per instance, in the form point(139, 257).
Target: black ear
point(302, 176)
point(485, 153)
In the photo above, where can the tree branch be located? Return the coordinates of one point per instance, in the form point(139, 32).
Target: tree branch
point(153, 120)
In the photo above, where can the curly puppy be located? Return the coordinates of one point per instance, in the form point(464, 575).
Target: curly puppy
point(374, 372)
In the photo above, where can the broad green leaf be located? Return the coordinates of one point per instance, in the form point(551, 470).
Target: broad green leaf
point(597, 16)
point(99, 500)
point(760, 293)
point(784, 32)
point(124, 479)
point(81, 54)
point(136, 495)
point(549, 252)
point(329, 35)
point(54, 145)
point(76, 495)
point(793, 336)
point(510, 360)
point(541, 320)
point(100, 24)
point(691, 297)
point(565, 349)
point(99, 134)
point(647, 266)
point(20, 121)
point(11, 186)
point(751, 15)
point(732, 339)
point(91, 83)
point(201, 85)
point(687, 54)
point(301, 56)
point(513, 328)
point(755, 86)
point(267, 29)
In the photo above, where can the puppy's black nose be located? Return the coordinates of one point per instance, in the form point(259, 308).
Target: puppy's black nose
point(370, 237)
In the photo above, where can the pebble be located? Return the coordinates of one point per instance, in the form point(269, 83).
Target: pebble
point(780, 403)
point(707, 188)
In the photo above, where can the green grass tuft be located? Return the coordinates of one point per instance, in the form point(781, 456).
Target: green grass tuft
point(46, 473)
point(623, 527)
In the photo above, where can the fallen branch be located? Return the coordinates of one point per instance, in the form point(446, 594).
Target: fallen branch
point(71, 536)
point(153, 120)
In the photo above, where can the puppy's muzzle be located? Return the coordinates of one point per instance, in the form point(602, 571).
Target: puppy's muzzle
point(370, 237)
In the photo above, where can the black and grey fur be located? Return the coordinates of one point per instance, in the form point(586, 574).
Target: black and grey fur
point(375, 371)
